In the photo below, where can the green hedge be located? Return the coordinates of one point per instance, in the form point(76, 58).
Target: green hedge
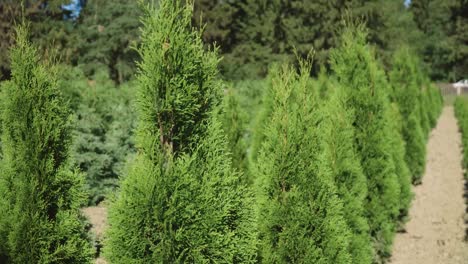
point(461, 112)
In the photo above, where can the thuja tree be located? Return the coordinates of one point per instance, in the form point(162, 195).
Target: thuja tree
point(406, 94)
point(42, 222)
point(300, 214)
point(398, 152)
point(337, 132)
point(181, 202)
point(436, 102)
point(424, 108)
point(356, 70)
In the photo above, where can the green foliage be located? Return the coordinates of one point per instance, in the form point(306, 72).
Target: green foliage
point(41, 195)
point(461, 112)
point(263, 117)
point(274, 29)
point(424, 115)
point(459, 20)
point(181, 202)
point(436, 102)
point(263, 32)
point(407, 93)
point(358, 73)
point(402, 168)
point(337, 132)
point(390, 25)
point(246, 116)
point(251, 100)
point(9, 11)
point(103, 36)
point(300, 215)
point(234, 121)
point(47, 27)
point(103, 131)
point(444, 24)
point(107, 35)
point(221, 21)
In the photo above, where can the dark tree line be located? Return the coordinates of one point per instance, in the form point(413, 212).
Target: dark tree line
point(250, 34)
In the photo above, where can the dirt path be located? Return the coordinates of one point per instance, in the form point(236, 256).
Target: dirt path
point(436, 229)
point(97, 215)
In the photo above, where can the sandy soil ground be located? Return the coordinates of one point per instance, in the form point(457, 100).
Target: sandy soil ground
point(435, 233)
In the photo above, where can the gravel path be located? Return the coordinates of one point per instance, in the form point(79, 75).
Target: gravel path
point(436, 230)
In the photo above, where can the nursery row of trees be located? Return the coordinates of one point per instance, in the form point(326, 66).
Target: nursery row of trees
point(324, 176)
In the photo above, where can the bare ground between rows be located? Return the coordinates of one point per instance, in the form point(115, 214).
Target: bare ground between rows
point(97, 216)
point(435, 232)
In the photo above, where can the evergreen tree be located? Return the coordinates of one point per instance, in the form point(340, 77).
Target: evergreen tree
point(103, 135)
point(358, 73)
point(221, 20)
point(459, 16)
point(398, 152)
point(461, 113)
point(424, 118)
point(181, 202)
point(300, 215)
point(48, 29)
point(443, 23)
point(106, 36)
point(406, 94)
point(436, 102)
point(338, 134)
point(41, 222)
point(390, 26)
point(272, 30)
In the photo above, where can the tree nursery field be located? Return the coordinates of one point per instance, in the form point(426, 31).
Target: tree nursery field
point(206, 131)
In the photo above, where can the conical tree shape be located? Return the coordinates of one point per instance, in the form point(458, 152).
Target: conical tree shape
point(337, 133)
point(181, 202)
point(358, 73)
point(300, 215)
point(42, 223)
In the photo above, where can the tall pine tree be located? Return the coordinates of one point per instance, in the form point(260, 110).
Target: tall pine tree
point(181, 202)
